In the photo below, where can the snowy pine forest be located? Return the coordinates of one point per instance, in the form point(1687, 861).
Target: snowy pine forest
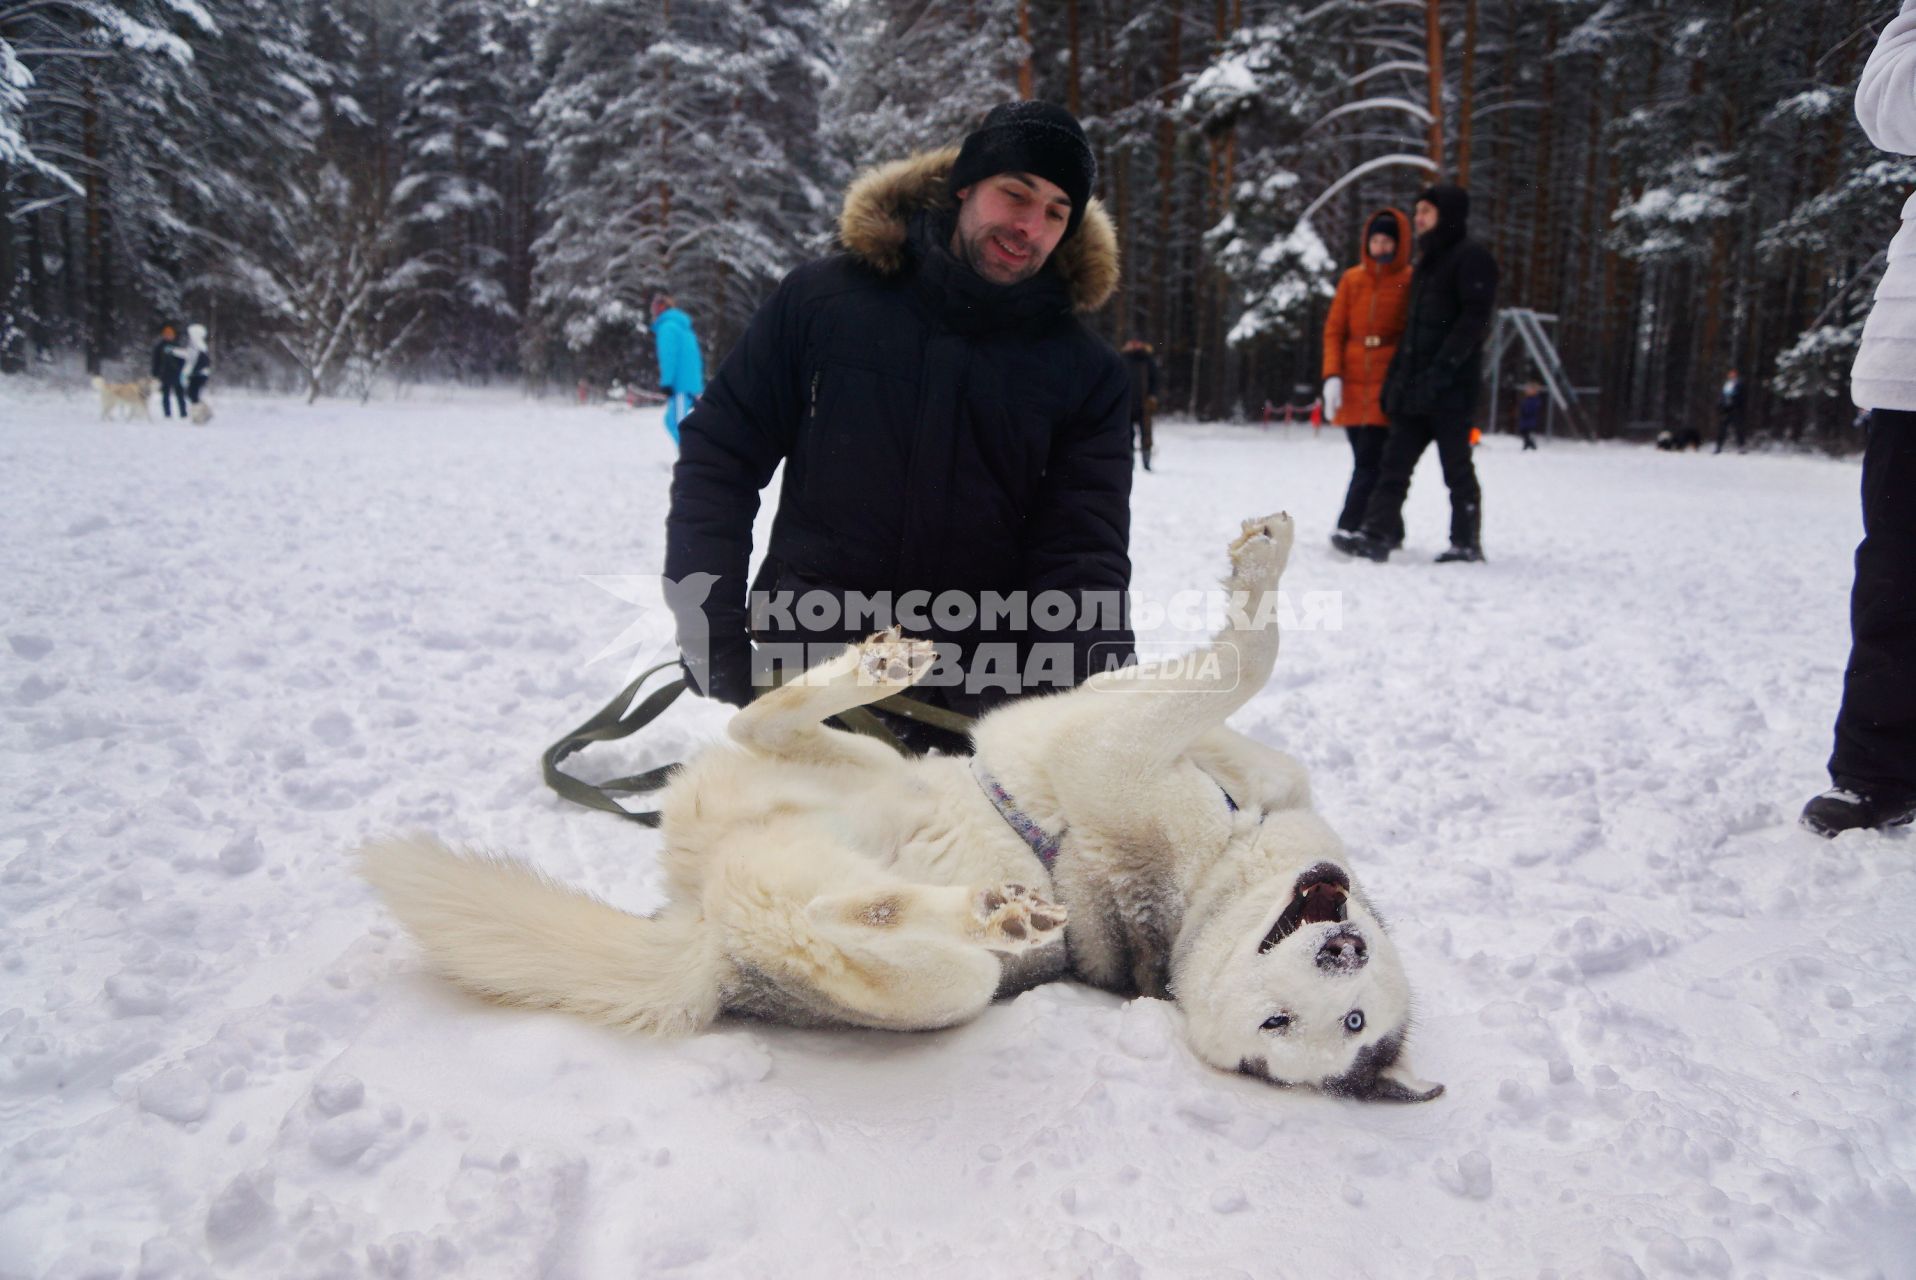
point(352, 191)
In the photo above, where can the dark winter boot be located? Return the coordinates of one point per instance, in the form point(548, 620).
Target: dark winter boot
point(1839, 809)
point(1472, 554)
point(1147, 459)
point(1361, 544)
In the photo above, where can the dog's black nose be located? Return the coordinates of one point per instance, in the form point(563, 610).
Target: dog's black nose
point(1343, 951)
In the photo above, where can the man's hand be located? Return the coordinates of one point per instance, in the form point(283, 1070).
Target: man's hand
point(1333, 397)
point(724, 678)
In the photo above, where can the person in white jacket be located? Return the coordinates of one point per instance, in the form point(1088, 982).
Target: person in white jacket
point(1874, 764)
point(196, 365)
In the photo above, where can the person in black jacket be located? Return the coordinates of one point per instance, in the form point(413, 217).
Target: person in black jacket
point(947, 424)
point(1143, 366)
point(1430, 390)
point(1730, 405)
point(167, 365)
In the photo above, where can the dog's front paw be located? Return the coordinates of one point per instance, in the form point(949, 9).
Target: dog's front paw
point(1010, 917)
point(894, 660)
point(1262, 547)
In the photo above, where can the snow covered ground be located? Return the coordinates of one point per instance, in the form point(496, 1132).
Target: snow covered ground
point(1678, 1033)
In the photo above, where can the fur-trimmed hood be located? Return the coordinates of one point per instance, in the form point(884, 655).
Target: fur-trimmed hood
point(874, 225)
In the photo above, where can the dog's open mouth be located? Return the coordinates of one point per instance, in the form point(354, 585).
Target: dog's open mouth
point(1319, 898)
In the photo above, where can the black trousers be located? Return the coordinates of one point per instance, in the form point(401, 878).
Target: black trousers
point(194, 385)
point(169, 391)
point(1367, 459)
point(1876, 728)
point(1727, 423)
point(1409, 436)
point(1141, 428)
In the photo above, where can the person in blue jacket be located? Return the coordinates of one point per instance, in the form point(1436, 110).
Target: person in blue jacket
point(1530, 413)
point(681, 368)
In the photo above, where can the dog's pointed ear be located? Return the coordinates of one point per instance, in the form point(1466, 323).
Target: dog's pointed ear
point(1396, 1083)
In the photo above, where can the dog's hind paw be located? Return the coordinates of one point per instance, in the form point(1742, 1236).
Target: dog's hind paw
point(893, 659)
point(1262, 546)
point(1010, 917)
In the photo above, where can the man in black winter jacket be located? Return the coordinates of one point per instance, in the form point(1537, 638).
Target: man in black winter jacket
point(167, 365)
point(1430, 389)
point(956, 442)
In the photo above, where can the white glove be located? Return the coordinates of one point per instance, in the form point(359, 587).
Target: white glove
point(1333, 397)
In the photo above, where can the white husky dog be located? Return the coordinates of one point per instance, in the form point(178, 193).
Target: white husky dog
point(128, 397)
point(816, 877)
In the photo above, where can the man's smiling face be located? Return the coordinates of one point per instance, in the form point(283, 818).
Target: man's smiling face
point(1008, 224)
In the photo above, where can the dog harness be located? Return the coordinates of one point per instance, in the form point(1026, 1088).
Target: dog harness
point(1042, 842)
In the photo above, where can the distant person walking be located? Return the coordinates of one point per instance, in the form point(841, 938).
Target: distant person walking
point(1430, 390)
point(1873, 765)
point(167, 364)
point(681, 367)
point(196, 366)
point(1530, 413)
point(1143, 366)
point(1729, 412)
point(1360, 337)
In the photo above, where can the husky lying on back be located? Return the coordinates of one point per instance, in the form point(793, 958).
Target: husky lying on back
point(816, 877)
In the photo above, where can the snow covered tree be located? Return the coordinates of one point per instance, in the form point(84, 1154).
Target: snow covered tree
point(464, 180)
point(339, 295)
point(674, 136)
point(1264, 90)
point(88, 79)
point(916, 75)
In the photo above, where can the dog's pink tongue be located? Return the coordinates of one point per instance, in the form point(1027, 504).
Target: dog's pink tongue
point(1323, 902)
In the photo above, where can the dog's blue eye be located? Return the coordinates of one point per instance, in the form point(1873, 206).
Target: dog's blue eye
point(1354, 1020)
point(1277, 1022)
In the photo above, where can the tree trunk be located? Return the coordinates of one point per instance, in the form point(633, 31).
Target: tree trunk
point(1167, 158)
point(1467, 93)
point(96, 285)
point(665, 152)
point(39, 288)
point(1024, 38)
point(1544, 176)
point(1072, 98)
point(1434, 57)
point(12, 358)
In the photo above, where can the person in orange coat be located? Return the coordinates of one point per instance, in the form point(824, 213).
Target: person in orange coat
point(1367, 318)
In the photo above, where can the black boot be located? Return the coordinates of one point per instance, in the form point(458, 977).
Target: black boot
point(1147, 459)
point(1362, 544)
point(1840, 809)
point(1466, 541)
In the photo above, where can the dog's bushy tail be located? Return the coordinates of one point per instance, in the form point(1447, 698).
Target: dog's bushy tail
point(504, 931)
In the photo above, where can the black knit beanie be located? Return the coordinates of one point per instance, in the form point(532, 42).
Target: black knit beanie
point(1453, 206)
point(1382, 225)
point(1030, 137)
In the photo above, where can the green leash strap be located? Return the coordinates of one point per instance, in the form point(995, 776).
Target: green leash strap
point(609, 725)
point(923, 712)
point(612, 723)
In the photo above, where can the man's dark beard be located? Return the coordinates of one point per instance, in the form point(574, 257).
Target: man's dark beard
point(972, 253)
